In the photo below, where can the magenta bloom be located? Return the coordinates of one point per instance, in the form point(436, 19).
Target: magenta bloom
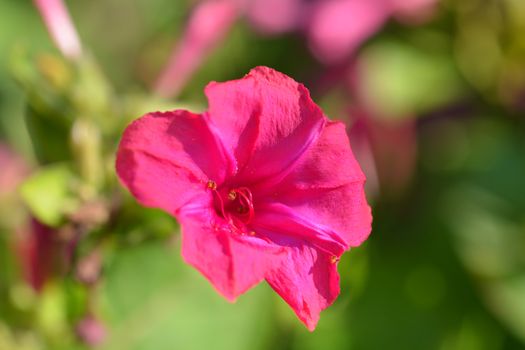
point(263, 184)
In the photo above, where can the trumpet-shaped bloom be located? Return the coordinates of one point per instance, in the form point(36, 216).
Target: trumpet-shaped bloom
point(264, 185)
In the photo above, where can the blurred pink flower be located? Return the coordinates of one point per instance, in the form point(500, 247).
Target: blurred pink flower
point(34, 242)
point(60, 27)
point(362, 147)
point(275, 16)
point(385, 145)
point(334, 28)
point(35, 249)
point(14, 170)
point(207, 26)
point(263, 184)
point(387, 150)
point(338, 27)
point(91, 331)
point(394, 144)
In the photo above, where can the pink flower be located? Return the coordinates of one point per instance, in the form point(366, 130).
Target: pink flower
point(334, 29)
point(207, 26)
point(91, 331)
point(36, 249)
point(338, 28)
point(60, 27)
point(387, 151)
point(14, 170)
point(275, 16)
point(263, 184)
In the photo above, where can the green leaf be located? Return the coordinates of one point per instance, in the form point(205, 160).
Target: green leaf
point(48, 195)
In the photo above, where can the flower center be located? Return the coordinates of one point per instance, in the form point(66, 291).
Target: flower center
point(233, 204)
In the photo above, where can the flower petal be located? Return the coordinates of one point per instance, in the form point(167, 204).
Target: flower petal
point(325, 188)
point(166, 159)
point(283, 221)
point(266, 118)
point(328, 163)
point(338, 28)
point(343, 210)
point(274, 16)
point(307, 280)
point(232, 262)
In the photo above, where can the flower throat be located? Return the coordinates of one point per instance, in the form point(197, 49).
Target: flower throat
point(233, 204)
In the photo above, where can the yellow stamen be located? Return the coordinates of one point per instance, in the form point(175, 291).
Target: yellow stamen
point(212, 185)
point(333, 259)
point(232, 195)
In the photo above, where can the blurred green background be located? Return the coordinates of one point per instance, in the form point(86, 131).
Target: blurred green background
point(435, 107)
